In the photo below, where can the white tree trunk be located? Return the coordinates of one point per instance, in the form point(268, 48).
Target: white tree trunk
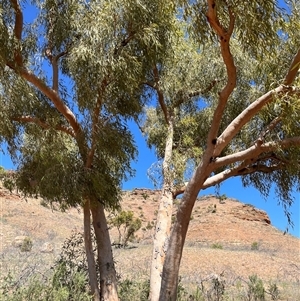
point(179, 230)
point(160, 243)
point(89, 252)
point(163, 222)
point(108, 278)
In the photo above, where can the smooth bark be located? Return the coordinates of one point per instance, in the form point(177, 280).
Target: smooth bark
point(164, 215)
point(89, 252)
point(160, 242)
point(178, 234)
point(108, 278)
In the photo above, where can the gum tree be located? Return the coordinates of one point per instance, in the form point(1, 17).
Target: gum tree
point(171, 128)
point(245, 121)
point(70, 78)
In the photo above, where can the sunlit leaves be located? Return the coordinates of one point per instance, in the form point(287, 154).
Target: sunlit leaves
point(103, 51)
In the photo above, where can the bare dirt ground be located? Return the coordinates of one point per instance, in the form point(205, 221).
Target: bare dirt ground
point(226, 238)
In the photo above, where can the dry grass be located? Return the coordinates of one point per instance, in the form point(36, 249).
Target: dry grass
point(234, 226)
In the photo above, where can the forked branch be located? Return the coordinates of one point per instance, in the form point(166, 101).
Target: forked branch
point(234, 127)
point(224, 37)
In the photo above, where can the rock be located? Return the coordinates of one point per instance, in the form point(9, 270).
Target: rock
point(18, 241)
point(249, 213)
point(47, 248)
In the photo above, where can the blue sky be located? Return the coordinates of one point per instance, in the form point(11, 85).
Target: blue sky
point(232, 187)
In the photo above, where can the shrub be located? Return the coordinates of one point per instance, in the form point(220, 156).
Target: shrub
point(2, 172)
point(50, 289)
point(254, 246)
point(145, 196)
point(273, 291)
point(256, 289)
point(26, 245)
point(44, 203)
point(217, 246)
point(130, 290)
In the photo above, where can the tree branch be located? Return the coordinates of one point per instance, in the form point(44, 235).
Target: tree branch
point(95, 123)
point(238, 171)
point(293, 70)
point(207, 89)
point(124, 43)
point(44, 125)
point(160, 94)
point(212, 18)
point(269, 128)
point(249, 165)
point(54, 62)
point(18, 28)
point(224, 36)
point(54, 97)
point(234, 127)
point(254, 151)
point(195, 93)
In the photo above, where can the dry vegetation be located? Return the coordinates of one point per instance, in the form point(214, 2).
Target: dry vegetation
point(226, 238)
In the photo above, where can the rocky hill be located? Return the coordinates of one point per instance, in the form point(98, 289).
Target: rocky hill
point(226, 237)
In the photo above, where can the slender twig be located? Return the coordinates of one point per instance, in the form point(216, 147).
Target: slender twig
point(269, 128)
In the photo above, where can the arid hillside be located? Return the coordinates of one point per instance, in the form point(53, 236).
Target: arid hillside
point(226, 237)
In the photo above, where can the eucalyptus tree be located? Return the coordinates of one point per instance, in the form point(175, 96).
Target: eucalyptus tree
point(171, 128)
point(70, 78)
point(245, 123)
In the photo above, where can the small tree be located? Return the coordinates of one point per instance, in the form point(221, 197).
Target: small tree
point(127, 225)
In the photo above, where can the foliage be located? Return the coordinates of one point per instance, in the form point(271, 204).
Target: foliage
point(26, 245)
point(254, 246)
point(217, 246)
point(2, 172)
point(50, 137)
point(273, 290)
point(256, 291)
point(133, 290)
point(127, 225)
point(41, 289)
